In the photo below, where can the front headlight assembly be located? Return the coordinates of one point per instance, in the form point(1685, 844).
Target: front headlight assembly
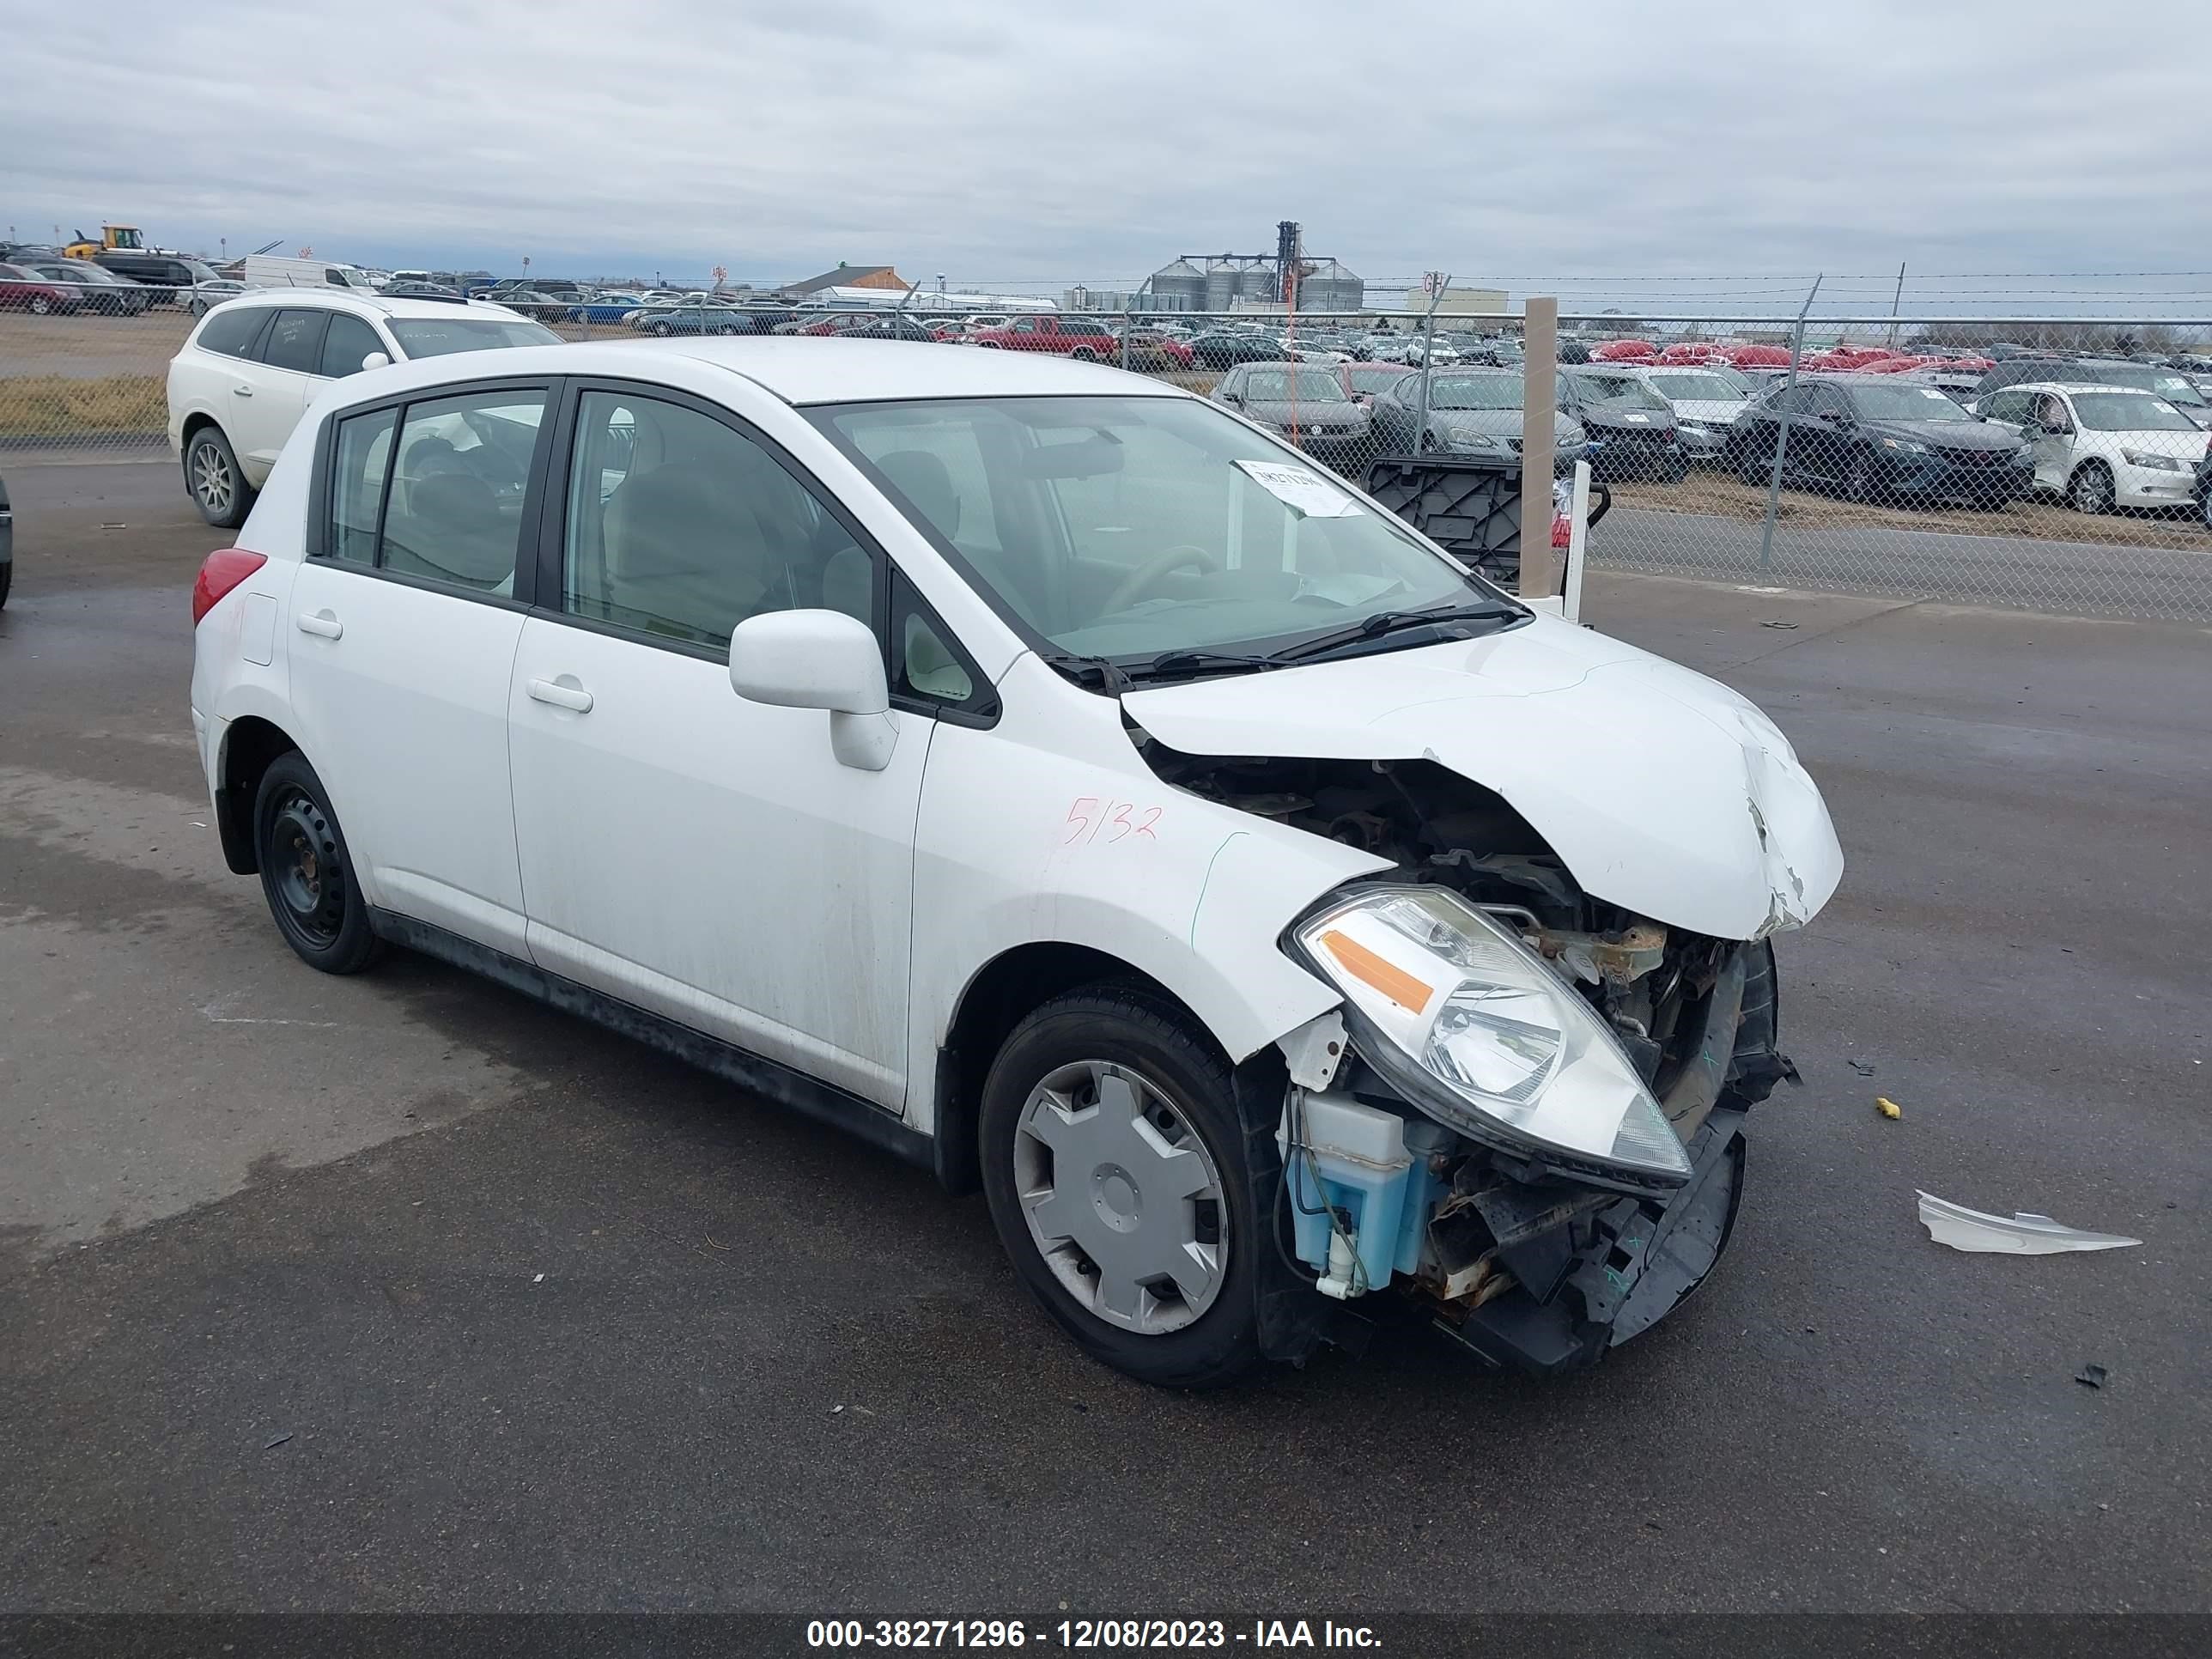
point(1480, 1034)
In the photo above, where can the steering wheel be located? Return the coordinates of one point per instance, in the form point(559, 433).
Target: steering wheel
point(1140, 581)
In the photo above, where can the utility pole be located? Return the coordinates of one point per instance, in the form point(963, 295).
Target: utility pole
point(1895, 300)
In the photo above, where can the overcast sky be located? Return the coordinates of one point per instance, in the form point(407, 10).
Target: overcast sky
point(1053, 143)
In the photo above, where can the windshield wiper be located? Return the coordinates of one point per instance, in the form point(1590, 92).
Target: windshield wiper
point(1180, 662)
point(1389, 621)
point(1093, 673)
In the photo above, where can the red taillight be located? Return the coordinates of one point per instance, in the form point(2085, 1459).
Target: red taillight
point(222, 572)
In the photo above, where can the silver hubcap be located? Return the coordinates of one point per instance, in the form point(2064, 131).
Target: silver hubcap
point(211, 478)
point(1121, 1196)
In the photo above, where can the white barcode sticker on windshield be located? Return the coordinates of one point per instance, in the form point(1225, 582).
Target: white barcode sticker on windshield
point(1305, 493)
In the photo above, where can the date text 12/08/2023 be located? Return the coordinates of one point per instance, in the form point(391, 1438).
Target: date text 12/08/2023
point(1087, 1634)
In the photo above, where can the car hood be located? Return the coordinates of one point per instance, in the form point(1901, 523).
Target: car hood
point(1605, 418)
point(1946, 434)
point(1715, 411)
point(1661, 790)
point(1502, 423)
point(1342, 412)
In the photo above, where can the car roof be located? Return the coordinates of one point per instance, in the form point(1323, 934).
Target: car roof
point(2072, 387)
point(800, 370)
point(353, 299)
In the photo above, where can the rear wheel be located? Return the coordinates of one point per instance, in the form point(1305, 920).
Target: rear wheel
point(1115, 1163)
point(7, 580)
point(1751, 469)
point(2091, 491)
point(305, 871)
point(1083, 355)
point(41, 306)
point(211, 473)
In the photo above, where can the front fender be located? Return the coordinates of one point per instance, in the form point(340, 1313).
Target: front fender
point(1091, 849)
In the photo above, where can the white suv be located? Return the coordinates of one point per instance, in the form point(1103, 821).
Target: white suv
point(1057, 780)
point(240, 382)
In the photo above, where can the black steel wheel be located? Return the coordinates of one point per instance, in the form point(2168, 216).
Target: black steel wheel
point(305, 872)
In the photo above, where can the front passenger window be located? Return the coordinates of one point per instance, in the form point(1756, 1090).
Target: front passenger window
point(680, 526)
point(349, 341)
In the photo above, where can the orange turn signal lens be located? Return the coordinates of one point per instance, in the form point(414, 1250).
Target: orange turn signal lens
point(1392, 981)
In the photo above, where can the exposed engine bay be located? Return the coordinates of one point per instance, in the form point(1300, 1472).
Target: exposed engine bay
point(1532, 1260)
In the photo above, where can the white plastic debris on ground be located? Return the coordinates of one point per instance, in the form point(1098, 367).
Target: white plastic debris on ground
point(1963, 1229)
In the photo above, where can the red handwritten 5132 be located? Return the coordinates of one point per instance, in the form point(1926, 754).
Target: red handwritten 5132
point(1092, 819)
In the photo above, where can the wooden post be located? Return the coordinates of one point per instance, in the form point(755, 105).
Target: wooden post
point(1540, 445)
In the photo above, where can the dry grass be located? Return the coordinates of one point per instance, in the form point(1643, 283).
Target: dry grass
point(50, 406)
point(2039, 519)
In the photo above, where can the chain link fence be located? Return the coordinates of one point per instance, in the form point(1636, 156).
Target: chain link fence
point(2035, 463)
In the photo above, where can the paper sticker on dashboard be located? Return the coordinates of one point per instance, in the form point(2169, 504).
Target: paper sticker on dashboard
point(1306, 494)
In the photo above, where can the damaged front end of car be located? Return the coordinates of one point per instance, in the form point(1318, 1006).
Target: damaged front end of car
point(1526, 1118)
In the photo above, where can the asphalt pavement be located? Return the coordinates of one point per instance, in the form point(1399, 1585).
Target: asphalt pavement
point(402, 1292)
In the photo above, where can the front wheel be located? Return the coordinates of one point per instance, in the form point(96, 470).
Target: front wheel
point(218, 487)
point(307, 872)
point(1116, 1167)
point(41, 306)
point(2091, 491)
point(1858, 479)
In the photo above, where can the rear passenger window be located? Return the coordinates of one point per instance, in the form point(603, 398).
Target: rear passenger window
point(363, 459)
point(232, 331)
point(295, 341)
point(454, 512)
point(680, 526)
point(444, 504)
point(349, 341)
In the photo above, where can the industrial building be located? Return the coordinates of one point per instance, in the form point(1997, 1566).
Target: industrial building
point(1243, 282)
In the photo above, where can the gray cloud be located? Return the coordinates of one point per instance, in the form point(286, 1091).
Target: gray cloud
point(1054, 143)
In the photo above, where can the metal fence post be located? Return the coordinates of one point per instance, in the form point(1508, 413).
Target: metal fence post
point(1782, 433)
point(1428, 343)
point(1540, 444)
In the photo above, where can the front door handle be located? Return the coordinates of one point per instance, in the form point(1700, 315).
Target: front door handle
point(563, 693)
point(243, 390)
point(321, 622)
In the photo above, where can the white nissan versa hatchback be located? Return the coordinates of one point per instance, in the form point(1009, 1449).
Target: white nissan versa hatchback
point(1078, 791)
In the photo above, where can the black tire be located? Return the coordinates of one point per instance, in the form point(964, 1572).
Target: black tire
point(1083, 355)
point(2090, 490)
point(660, 330)
point(1132, 1029)
point(6, 581)
point(307, 874)
point(1675, 470)
point(41, 306)
point(215, 480)
point(1751, 469)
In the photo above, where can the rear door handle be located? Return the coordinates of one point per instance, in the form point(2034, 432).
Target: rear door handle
point(322, 623)
point(563, 693)
point(243, 390)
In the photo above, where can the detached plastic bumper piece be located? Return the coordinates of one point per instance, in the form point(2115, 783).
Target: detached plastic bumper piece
point(1591, 1269)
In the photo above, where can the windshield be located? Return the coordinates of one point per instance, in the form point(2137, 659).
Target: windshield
point(1903, 402)
point(437, 337)
point(1272, 385)
point(2128, 411)
point(1499, 391)
point(1700, 387)
point(1633, 394)
point(1127, 527)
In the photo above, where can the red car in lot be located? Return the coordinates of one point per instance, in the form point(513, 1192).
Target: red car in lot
point(26, 290)
point(1759, 356)
point(1065, 336)
point(1846, 356)
point(1694, 351)
point(1623, 351)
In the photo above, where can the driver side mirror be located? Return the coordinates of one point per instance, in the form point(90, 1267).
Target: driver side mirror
point(375, 360)
point(819, 659)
